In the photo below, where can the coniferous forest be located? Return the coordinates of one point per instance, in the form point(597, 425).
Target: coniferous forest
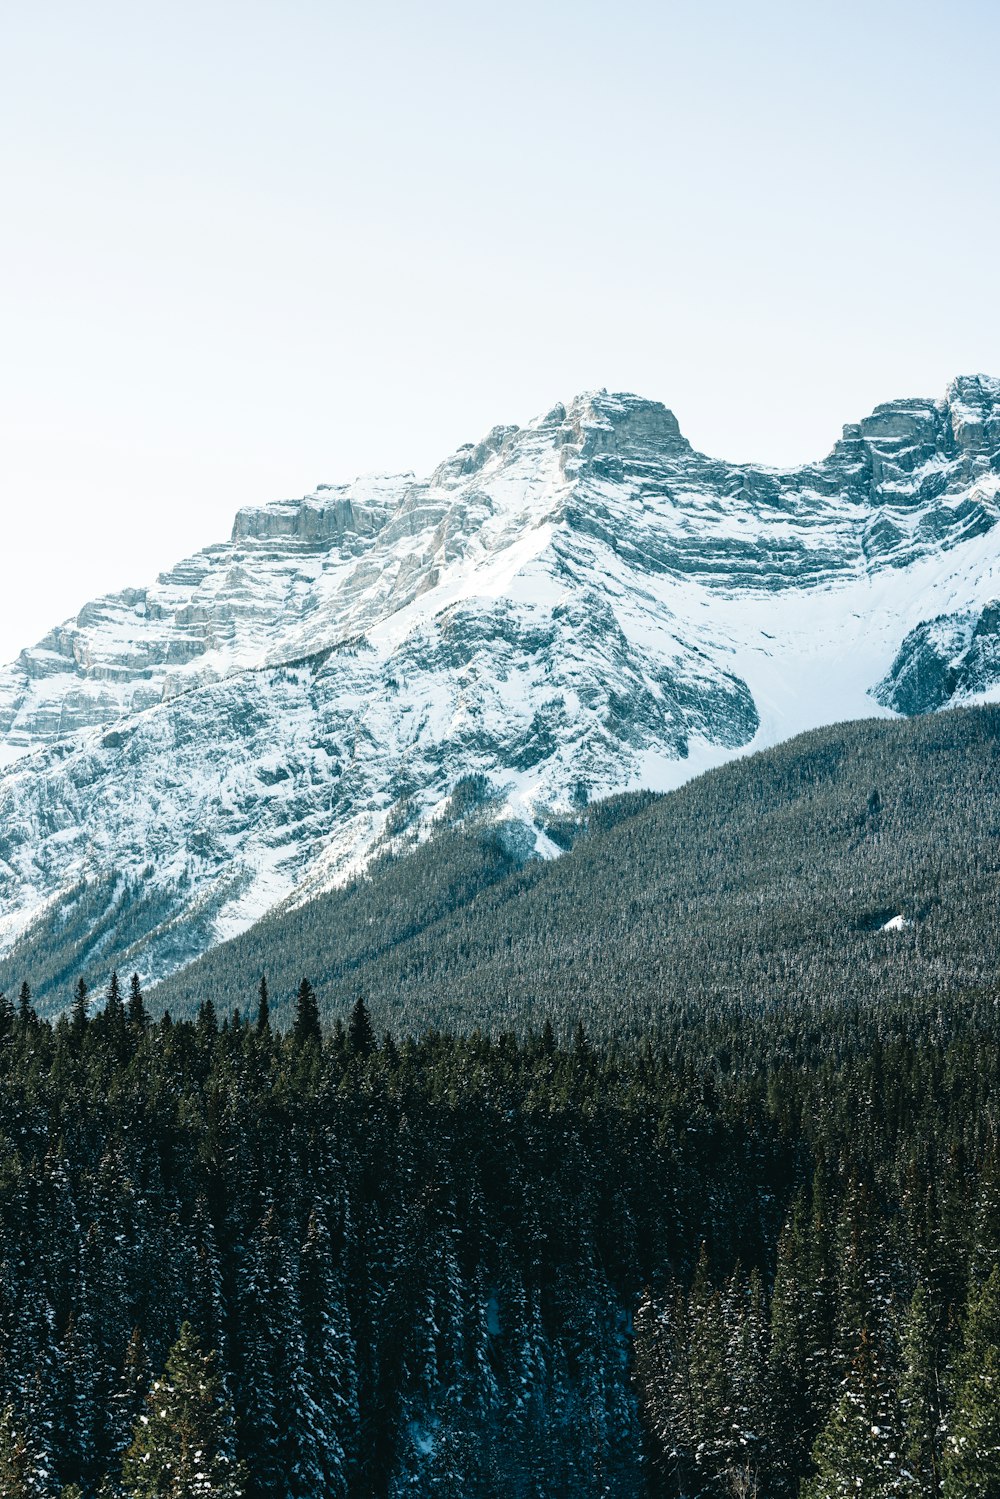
point(747, 1257)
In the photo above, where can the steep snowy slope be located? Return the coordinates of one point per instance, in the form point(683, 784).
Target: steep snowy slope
point(575, 607)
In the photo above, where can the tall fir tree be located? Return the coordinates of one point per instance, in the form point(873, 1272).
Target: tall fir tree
point(25, 1013)
point(920, 1397)
point(360, 1034)
point(263, 1009)
point(136, 1004)
point(182, 1446)
point(971, 1459)
point(307, 1028)
point(23, 1471)
point(80, 1009)
point(858, 1451)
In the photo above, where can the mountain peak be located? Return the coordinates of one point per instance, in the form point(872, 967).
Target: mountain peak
point(566, 609)
point(627, 422)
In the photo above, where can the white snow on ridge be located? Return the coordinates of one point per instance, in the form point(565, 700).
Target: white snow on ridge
point(567, 610)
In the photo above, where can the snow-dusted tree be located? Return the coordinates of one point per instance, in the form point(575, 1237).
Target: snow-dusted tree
point(858, 1452)
point(971, 1459)
point(306, 1029)
point(919, 1400)
point(129, 1394)
point(23, 1469)
point(329, 1357)
point(182, 1445)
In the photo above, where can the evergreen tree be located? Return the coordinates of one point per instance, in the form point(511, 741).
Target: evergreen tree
point(136, 1004)
point(208, 1020)
point(113, 1004)
point(182, 1447)
point(263, 1009)
point(360, 1034)
point(25, 1013)
point(114, 1016)
point(919, 1397)
point(80, 1010)
point(330, 1355)
point(857, 1453)
point(306, 1028)
point(971, 1459)
point(129, 1395)
point(23, 1472)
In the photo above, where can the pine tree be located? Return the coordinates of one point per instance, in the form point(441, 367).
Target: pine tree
point(128, 1397)
point(25, 1013)
point(182, 1447)
point(113, 1005)
point(306, 1028)
point(857, 1453)
point(360, 1034)
point(918, 1397)
point(329, 1356)
point(81, 1008)
point(114, 1016)
point(263, 1009)
point(23, 1472)
point(971, 1460)
point(208, 1020)
point(136, 1004)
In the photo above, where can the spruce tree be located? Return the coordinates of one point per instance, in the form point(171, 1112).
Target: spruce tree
point(128, 1396)
point(25, 1013)
point(114, 1017)
point(113, 1004)
point(306, 1028)
point(81, 1008)
point(136, 1004)
point(263, 1009)
point(857, 1453)
point(918, 1397)
point(23, 1472)
point(360, 1034)
point(182, 1447)
point(971, 1460)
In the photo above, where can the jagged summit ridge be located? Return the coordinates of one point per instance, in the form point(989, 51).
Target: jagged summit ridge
point(561, 610)
point(231, 606)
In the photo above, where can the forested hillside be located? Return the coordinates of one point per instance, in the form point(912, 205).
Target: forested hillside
point(257, 1266)
point(667, 1169)
point(766, 882)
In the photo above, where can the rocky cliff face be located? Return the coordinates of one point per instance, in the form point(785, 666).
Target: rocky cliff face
point(564, 609)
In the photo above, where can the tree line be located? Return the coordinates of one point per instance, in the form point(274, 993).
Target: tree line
point(734, 1259)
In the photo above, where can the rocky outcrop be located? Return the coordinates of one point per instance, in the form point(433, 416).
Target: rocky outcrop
point(952, 659)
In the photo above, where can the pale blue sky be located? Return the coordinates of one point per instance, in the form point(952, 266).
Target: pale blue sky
point(249, 247)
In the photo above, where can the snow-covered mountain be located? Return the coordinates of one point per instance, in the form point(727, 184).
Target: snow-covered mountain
point(560, 611)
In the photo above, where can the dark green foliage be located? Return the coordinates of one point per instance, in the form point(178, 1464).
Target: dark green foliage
point(858, 1451)
point(23, 1472)
point(183, 1446)
point(421, 1263)
point(307, 1028)
point(761, 883)
point(971, 1461)
point(81, 1009)
point(136, 1004)
point(360, 1036)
